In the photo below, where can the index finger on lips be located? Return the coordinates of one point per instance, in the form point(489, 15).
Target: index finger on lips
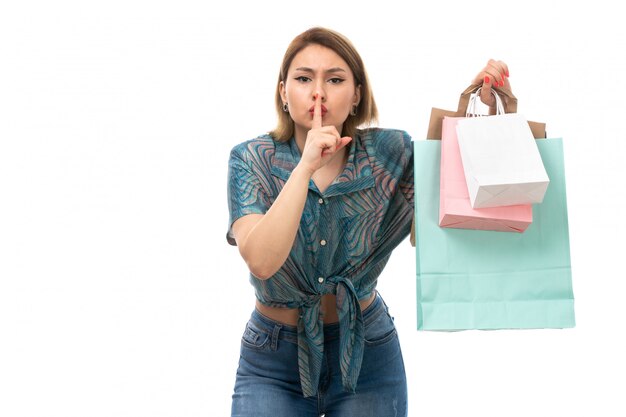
point(317, 112)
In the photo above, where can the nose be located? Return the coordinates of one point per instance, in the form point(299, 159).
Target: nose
point(319, 90)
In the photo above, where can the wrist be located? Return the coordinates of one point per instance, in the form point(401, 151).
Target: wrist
point(302, 171)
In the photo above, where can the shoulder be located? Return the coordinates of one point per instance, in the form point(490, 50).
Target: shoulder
point(386, 143)
point(255, 149)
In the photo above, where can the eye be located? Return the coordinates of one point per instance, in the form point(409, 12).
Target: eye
point(302, 79)
point(336, 80)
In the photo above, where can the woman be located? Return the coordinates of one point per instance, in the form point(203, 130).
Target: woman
point(316, 207)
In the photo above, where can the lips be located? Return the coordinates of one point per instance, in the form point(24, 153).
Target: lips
point(312, 110)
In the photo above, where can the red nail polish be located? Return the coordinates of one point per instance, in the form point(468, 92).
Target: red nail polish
point(486, 80)
point(507, 73)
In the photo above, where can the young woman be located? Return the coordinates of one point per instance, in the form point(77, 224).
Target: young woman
point(316, 207)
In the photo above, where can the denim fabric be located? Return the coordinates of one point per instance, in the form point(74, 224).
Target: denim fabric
point(268, 380)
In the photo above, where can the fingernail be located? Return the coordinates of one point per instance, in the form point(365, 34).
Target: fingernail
point(507, 73)
point(486, 80)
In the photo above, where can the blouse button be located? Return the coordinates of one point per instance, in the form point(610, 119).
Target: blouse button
point(321, 201)
point(323, 242)
point(320, 280)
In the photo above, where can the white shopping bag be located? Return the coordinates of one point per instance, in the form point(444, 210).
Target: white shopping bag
point(501, 160)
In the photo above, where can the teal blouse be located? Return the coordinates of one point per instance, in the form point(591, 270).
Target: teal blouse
point(345, 238)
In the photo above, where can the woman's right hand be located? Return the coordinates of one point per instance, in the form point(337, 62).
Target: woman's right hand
point(495, 74)
point(322, 144)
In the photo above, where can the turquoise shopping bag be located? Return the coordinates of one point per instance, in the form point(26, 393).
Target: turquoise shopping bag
point(477, 279)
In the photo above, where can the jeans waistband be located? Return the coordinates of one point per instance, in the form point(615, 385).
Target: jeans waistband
point(331, 330)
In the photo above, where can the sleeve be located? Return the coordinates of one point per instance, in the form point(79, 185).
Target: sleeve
point(246, 194)
point(407, 184)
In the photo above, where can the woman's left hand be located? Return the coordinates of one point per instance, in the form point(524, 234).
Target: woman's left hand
point(495, 74)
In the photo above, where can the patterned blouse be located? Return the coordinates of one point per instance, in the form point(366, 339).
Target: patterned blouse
point(345, 238)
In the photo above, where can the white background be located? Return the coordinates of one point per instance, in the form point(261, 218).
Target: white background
point(118, 293)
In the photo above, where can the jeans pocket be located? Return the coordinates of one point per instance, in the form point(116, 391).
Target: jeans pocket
point(380, 331)
point(254, 338)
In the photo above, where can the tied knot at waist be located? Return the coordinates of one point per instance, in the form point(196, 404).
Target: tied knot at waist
point(311, 335)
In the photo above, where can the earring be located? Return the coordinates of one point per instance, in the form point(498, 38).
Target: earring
point(353, 110)
point(285, 108)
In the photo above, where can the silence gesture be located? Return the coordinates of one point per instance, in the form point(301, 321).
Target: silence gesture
point(322, 142)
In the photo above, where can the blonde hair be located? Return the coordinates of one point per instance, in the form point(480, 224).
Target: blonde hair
point(366, 112)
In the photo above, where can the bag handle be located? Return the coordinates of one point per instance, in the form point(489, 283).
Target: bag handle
point(471, 107)
point(509, 101)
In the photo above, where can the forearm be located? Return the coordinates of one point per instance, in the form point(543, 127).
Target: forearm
point(267, 245)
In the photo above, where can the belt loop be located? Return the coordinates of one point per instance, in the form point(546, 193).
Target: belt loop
point(275, 333)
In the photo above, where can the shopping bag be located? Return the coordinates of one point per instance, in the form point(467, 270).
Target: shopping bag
point(437, 115)
point(501, 161)
point(455, 209)
point(476, 279)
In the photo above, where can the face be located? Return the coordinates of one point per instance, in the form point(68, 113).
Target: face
point(319, 70)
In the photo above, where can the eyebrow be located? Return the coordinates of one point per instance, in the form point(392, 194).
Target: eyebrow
point(330, 70)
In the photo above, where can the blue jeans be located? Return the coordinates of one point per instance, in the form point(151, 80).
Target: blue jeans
point(268, 380)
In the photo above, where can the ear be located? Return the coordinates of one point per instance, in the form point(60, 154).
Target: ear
point(357, 94)
point(283, 91)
